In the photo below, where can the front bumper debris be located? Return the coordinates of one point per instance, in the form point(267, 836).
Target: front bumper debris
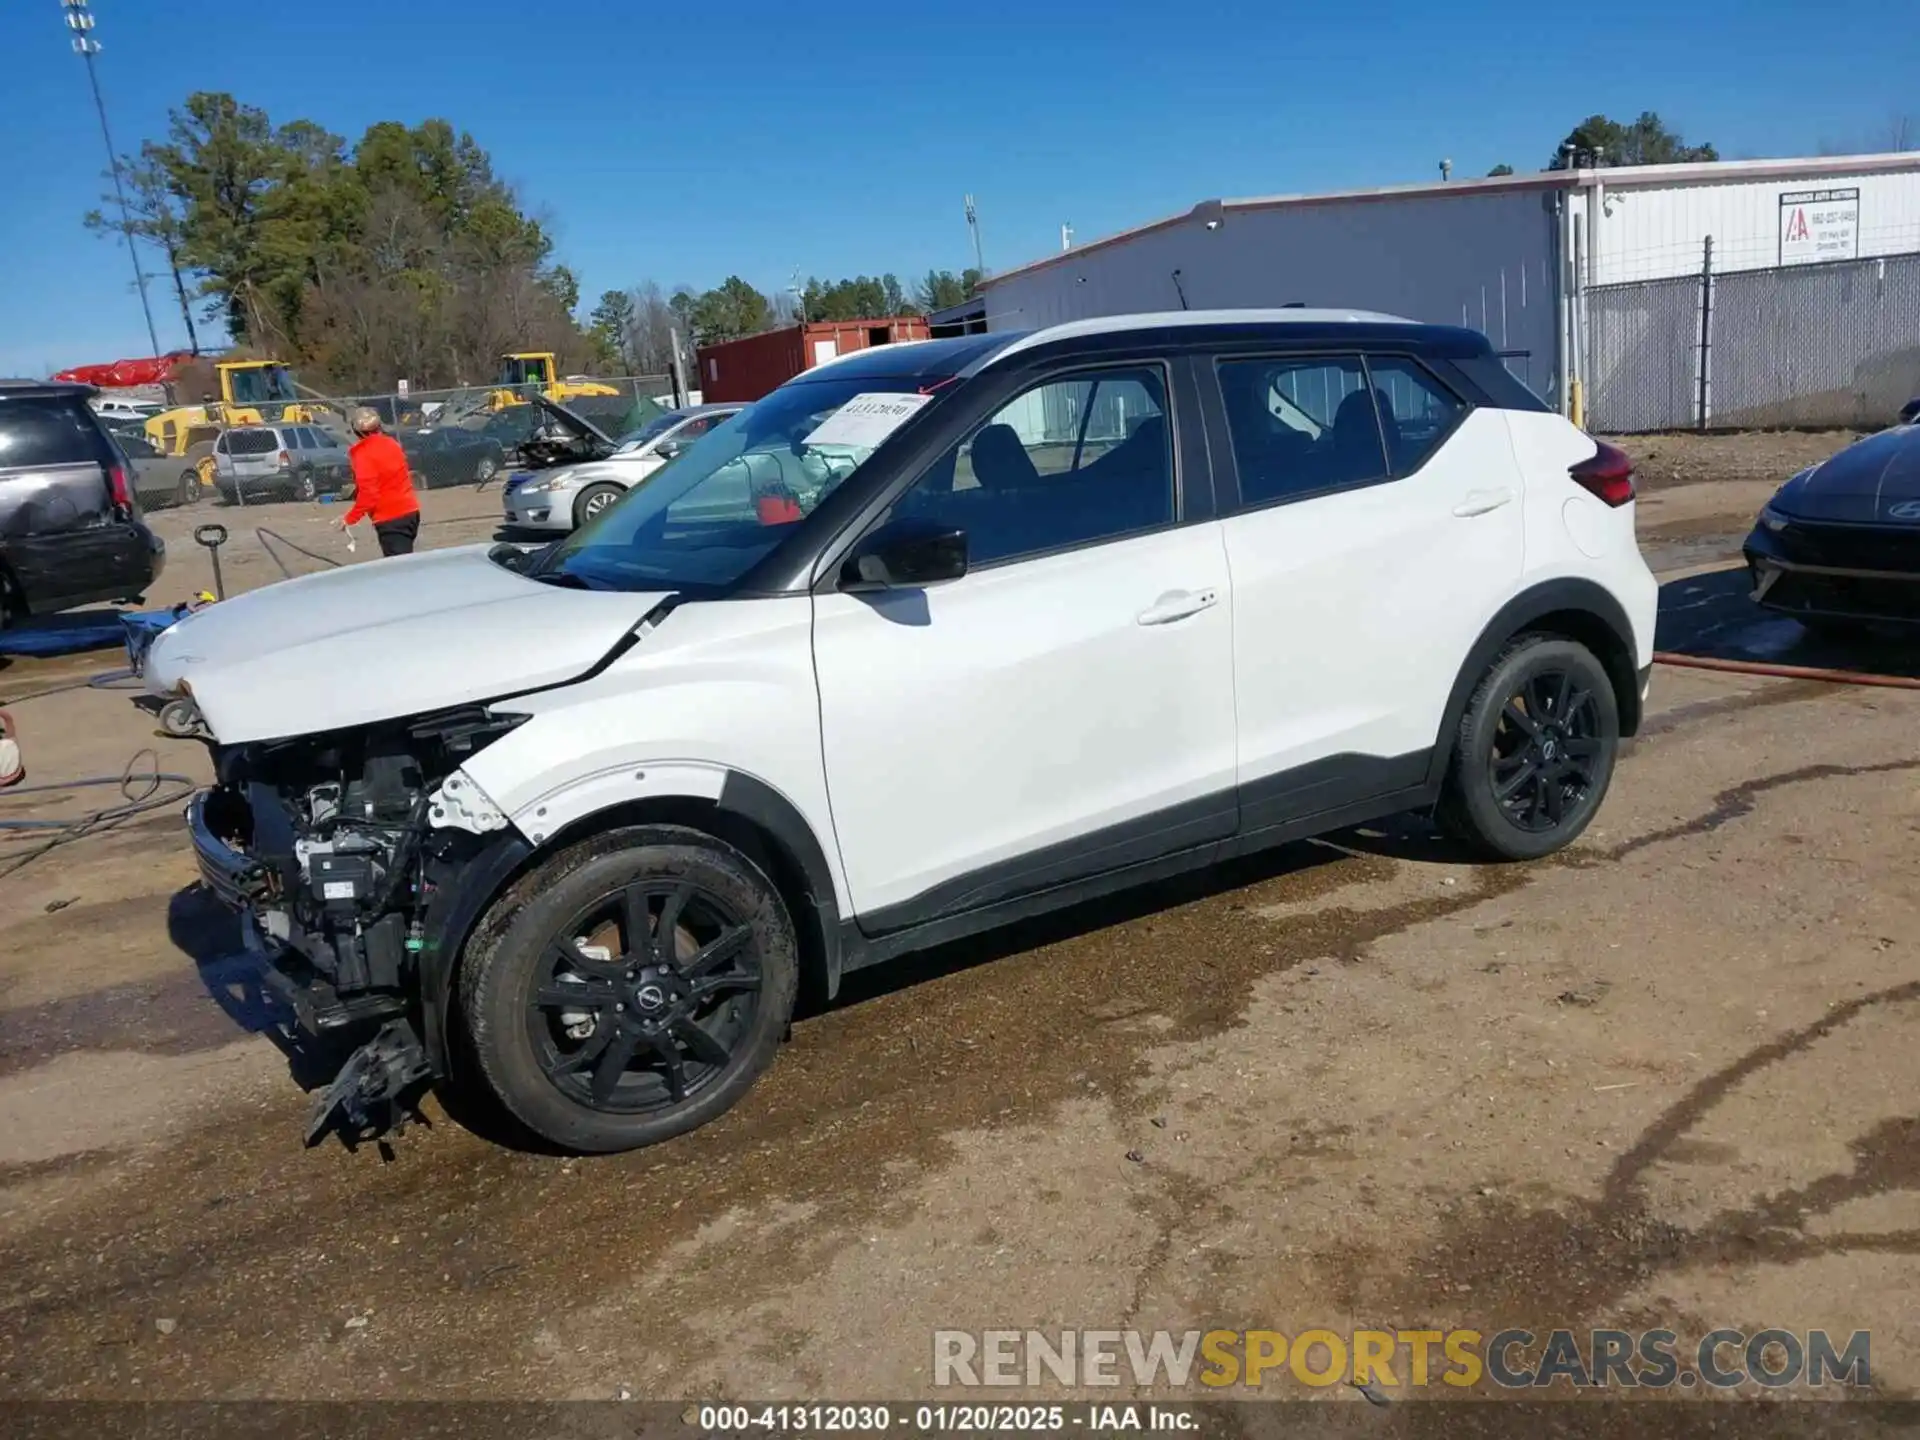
point(372, 1092)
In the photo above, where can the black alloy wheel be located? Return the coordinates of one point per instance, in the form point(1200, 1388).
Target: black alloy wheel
point(642, 997)
point(1535, 751)
point(630, 988)
point(1545, 748)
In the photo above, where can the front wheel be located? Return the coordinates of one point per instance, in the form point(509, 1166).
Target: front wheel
point(593, 500)
point(1534, 752)
point(637, 994)
point(188, 490)
point(485, 470)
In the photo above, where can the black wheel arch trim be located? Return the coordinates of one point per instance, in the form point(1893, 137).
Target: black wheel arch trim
point(767, 809)
point(473, 878)
point(1597, 616)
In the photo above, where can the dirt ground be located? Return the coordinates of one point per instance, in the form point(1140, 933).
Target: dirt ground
point(1666, 1078)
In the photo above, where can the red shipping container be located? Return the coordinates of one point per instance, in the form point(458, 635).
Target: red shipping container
point(750, 367)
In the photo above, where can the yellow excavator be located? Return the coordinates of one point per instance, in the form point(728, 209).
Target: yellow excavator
point(533, 372)
point(250, 392)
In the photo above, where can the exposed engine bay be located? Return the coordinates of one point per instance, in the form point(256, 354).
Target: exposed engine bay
point(337, 850)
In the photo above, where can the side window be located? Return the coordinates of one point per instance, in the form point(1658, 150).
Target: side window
point(220, 445)
point(1416, 411)
point(1070, 462)
point(1301, 426)
point(47, 432)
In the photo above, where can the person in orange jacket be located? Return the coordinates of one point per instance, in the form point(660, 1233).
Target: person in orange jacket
point(382, 486)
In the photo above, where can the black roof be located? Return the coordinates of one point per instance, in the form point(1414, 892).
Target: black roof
point(44, 389)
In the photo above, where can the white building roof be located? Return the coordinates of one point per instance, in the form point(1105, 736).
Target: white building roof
point(1620, 177)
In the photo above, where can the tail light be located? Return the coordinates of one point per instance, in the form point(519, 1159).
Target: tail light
point(1608, 475)
point(120, 486)
point(286, 460)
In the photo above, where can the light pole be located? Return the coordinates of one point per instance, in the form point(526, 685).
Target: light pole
point(80, 21)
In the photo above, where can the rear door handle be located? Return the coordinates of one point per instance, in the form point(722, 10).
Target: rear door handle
point(1178, 605)
point(1479, 502)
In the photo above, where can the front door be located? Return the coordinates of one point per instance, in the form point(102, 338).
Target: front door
point(1064, 708)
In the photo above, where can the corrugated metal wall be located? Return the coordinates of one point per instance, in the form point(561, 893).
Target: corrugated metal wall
point(1478, 259)
point(1653, 233)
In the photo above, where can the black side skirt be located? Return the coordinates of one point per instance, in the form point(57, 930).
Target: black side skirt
point(1329, 794)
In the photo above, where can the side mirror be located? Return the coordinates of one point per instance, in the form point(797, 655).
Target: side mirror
point(667, 449)
point(906, 554)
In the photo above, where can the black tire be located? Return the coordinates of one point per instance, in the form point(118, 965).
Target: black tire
point(1535, 751)
point(592, 500)
point(187, 492)
point(485, 470)
point(304, 487)
point(719, 1005)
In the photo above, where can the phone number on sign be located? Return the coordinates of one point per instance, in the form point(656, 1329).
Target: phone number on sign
point(872, 1419)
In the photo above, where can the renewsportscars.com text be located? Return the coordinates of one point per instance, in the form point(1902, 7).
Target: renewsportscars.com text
point(1512, 1359)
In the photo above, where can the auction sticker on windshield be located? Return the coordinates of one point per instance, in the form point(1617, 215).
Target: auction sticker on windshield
point(866, 420)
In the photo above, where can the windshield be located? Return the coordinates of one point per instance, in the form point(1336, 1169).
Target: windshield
point(652, 430)
point(706, 519)
point(523, 370)
point(262, 384)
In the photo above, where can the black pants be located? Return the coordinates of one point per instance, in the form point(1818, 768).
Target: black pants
point(397, 536)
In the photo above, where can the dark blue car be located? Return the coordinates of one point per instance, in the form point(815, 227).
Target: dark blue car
point(1839, 543)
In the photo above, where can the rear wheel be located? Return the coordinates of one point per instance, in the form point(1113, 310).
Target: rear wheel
point(188, 490)
point(637, 995)
point(304, 487)
point(593, 500)
point(1535, 751)
point(485, 470)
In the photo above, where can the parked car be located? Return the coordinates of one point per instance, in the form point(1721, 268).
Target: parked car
point(509, 429)
point(253, 463)
point(1838, 545)
point(114, 408)
point(70, 527)
point(570, 495)
point(451, 456)
point(157, 479)
point(932, 637)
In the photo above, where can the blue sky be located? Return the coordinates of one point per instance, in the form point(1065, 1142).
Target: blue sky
point(683, 142)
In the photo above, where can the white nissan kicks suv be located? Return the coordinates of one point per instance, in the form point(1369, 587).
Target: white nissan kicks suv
point(932, 637)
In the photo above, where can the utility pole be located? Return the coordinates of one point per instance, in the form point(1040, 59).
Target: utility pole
point(80, 21)
point(973, 224)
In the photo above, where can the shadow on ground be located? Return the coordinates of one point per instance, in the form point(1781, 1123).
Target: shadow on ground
point(1711, 617)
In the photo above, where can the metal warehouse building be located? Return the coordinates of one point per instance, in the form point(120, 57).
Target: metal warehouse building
point(1561, 269)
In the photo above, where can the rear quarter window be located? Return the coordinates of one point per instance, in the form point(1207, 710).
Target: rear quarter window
point(39, 432)
point(252, 442)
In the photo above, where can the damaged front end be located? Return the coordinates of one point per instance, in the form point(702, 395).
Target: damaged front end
point(357, 862)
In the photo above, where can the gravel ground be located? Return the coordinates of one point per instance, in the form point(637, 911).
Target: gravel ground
point(1667, 1077)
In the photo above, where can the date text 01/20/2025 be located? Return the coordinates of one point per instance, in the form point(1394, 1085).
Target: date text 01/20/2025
point(941, 1419)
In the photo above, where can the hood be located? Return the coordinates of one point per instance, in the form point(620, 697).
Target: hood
point(1874, 481)
point(573, 422)
point(382, 641)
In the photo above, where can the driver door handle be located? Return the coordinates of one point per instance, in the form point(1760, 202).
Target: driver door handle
point(1479, 502)
point(1178, 605)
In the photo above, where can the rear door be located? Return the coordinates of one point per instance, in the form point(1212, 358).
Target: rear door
point(1376, 526)
point(61, 534)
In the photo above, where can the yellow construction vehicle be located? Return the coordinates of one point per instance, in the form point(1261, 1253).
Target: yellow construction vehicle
point(535, 372)
point(251, 392)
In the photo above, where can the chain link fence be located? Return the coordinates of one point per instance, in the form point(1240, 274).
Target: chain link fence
point(1835, 344)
